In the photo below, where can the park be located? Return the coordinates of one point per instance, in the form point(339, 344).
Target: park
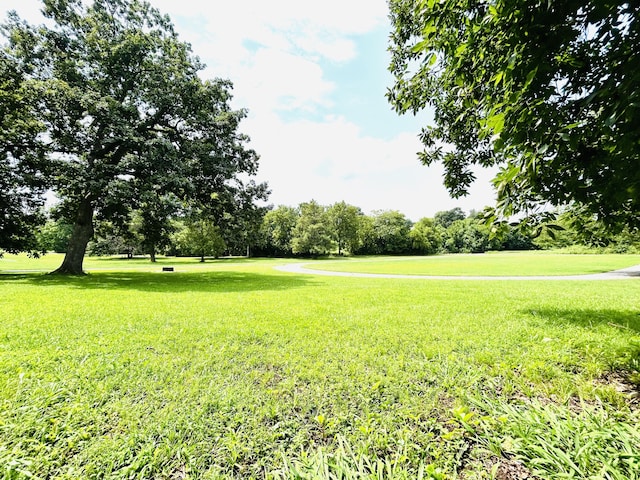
point(162, 316)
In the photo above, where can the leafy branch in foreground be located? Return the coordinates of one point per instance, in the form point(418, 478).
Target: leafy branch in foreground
point(547, 90)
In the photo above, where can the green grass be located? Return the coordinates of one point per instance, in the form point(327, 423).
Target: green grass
point(235, 370)
point(491, 264)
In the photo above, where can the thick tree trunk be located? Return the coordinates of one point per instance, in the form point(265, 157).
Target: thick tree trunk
point(152, 255)
point(82, 233)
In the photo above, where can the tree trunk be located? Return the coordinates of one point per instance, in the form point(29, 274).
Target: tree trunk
point(82, 233)
point(152, 254)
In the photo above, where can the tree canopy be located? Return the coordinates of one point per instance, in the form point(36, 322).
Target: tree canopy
point(426, 236)
point(277, 230)
point(391, 229)
point(21, 186)
point(549, 90)
point(312, 233)
point(447, 217)
point(344, 225)
point(124, 116)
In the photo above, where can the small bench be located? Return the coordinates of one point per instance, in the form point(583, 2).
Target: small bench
point(167, 269)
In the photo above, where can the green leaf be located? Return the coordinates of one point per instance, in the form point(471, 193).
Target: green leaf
point(554, 226)
point(428, 30)
point(420, 46)
point(530, 76)
point(543, 149)
point(498, 78)
point(461, 49)
point(495, 123)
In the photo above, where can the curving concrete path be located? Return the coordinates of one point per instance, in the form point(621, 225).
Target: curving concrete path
point(622, 274)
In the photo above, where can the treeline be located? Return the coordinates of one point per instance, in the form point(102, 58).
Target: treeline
point(311, 229)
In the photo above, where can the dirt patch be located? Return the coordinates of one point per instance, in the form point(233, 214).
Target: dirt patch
point(513, 470)
point(621, 382)
point(502, 468)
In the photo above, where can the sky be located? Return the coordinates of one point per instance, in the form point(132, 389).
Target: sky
point(313, 77)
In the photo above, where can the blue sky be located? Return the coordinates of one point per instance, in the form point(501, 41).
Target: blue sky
point(313, 76)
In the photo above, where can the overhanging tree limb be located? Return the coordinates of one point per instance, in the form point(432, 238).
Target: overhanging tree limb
point(548, 90)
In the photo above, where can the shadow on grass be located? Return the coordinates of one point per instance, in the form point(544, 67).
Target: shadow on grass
point(167, 282)
point(625, 320)
point(141, 260)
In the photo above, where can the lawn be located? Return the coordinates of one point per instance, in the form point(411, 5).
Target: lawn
point(490, 264)
point(234, 370)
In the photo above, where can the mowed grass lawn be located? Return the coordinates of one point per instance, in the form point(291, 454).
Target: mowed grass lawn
point(235, 370)
point(490, 264)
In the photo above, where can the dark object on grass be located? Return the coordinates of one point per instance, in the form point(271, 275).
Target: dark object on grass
point(167, 269)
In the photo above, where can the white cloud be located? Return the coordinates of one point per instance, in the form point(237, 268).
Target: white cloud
point(274, 79)
point(272, 51)
point(306, 28)
point(333, 148)
point(26, 9)
point(344, 16)
point(331, 47)
point(331, 161)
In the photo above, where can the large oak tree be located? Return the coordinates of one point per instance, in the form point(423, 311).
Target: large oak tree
point(124, 113)
point(548, 89)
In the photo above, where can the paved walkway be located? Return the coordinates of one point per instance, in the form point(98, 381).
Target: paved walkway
point(622, 274)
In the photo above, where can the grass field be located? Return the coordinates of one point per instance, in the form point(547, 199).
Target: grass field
point(234, 370)
point(491, 264)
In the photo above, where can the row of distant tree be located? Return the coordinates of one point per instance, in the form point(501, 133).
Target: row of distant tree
point(311, 229)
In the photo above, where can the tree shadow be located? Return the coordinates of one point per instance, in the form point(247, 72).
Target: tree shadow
point(623, 319)
point(166, 281)
point(144, 260)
